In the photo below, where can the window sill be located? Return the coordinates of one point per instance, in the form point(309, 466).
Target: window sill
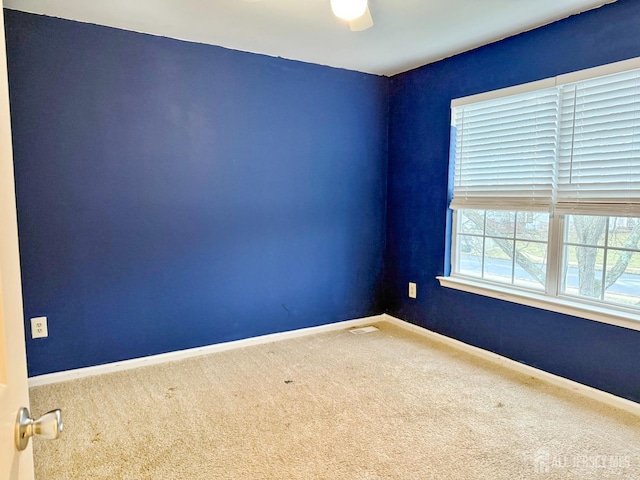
point(559, 305)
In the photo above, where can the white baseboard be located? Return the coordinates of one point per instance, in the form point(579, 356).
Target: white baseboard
point(57, 377)
point(594, 393)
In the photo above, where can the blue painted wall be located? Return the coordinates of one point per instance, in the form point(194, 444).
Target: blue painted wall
point(596, 354)
point(172, 195)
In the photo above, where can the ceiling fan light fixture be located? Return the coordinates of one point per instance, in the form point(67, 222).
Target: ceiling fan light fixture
point(348, 9)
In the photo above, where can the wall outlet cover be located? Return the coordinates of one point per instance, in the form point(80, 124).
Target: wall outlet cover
point(39, 327)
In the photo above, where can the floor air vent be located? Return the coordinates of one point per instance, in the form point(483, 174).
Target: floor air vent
point(361, 330)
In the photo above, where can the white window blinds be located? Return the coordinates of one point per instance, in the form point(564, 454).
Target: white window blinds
point(505, 152)
point(599, 154)
point(575, 147)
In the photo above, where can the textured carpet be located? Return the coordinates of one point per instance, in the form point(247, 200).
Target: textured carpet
point(382, 405)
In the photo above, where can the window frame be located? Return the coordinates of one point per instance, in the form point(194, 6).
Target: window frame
point(551, 298)
point(606, 248)
point(485, 236)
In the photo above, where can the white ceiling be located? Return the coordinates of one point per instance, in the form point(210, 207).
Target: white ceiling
point(406, 34)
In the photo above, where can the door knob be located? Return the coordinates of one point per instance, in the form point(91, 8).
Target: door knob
point(48, 426)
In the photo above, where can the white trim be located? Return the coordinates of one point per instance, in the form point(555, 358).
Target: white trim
point(504, 92)
point(599, 395)
point(599, 71)
point(558, 305)
point(587, 391)
point(67, 375)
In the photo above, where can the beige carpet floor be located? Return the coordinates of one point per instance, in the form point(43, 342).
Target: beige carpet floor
point(382, 405)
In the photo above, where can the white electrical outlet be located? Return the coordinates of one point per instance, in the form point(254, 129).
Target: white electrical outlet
point(39, 327)
point(412, 290)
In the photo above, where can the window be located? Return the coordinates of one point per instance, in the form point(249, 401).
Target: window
point(546, 189)
point(601, 259)
point(504, 247)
